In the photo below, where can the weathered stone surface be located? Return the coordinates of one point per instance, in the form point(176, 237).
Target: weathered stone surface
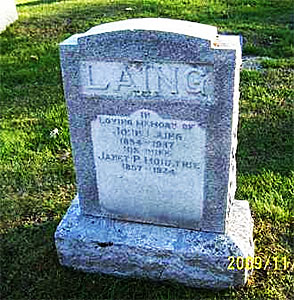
point(180, 71)
point(122, 248)
point(251, 62)
point(150, 183)
point(153, 109)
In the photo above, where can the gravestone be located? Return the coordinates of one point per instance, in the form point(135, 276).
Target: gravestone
point(8, 13)
point(153, 110)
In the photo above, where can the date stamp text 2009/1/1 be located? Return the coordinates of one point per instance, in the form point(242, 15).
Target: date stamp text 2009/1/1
point(257, 263)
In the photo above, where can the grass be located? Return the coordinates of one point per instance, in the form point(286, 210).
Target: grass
point(37, 179)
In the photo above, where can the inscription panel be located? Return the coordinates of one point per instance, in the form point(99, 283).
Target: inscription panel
point(149, 168)
point(174, 81)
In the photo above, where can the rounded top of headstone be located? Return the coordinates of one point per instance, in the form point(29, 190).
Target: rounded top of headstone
point(202, 31)
point(193, 29)
point(188, 28)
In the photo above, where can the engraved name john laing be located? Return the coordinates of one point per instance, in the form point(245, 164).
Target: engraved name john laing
point(145, 143)
point(173, 81)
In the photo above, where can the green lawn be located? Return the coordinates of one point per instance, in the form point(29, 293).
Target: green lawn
point(37, 179)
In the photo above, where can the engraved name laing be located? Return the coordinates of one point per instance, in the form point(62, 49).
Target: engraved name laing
point(148, 80)
point(145, 144)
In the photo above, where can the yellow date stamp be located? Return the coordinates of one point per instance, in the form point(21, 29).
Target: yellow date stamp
point(258, 263)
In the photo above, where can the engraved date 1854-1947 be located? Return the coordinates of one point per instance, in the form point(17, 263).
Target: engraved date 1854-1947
point(144, 143)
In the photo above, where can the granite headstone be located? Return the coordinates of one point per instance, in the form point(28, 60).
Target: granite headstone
point(153, 110)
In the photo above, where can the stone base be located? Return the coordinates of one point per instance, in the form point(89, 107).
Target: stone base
point(120, 248)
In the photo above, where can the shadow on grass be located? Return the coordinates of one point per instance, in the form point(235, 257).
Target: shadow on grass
point(39, 2)
point(265, 144)
point(271, 22)
point(30, 270)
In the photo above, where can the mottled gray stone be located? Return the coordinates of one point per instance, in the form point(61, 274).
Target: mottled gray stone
point(153, 110)
point(122, 248)
point(141, 43)
point(253, 62)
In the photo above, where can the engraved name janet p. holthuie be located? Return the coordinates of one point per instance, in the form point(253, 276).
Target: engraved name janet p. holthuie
point(145, 142)
point(145, 150)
